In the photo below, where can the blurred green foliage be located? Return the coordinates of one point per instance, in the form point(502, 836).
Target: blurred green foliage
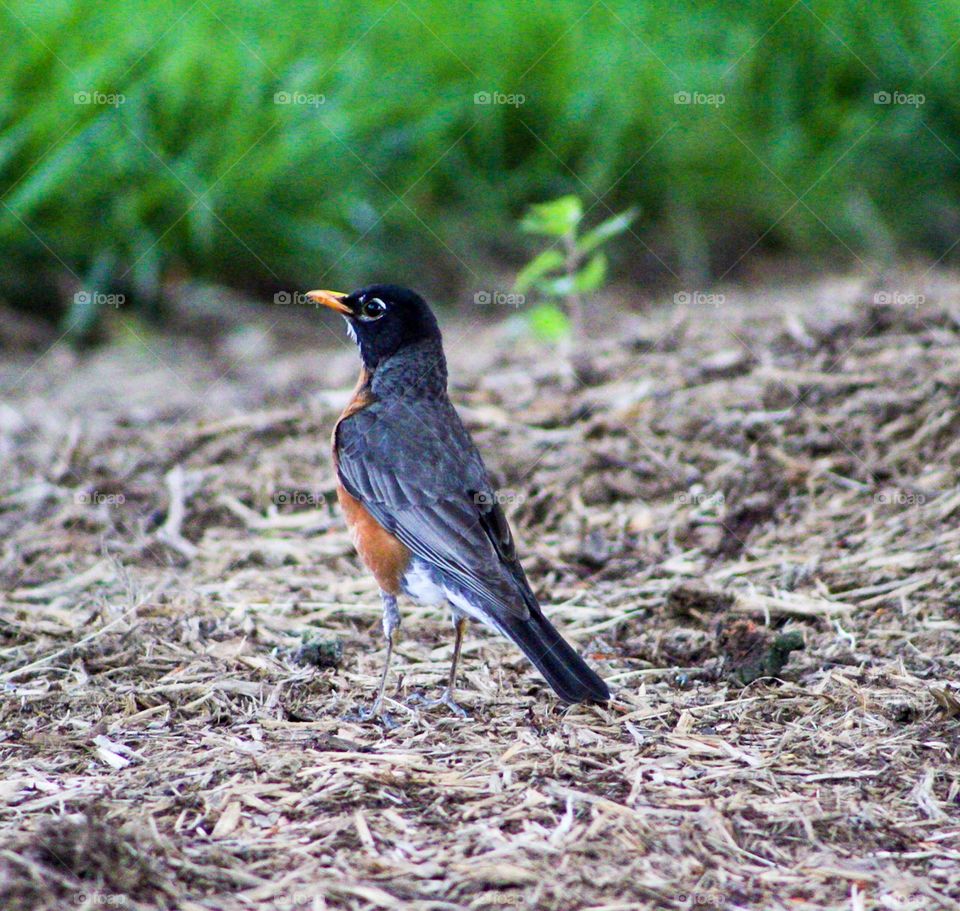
point(572, 266)
point(439, 122)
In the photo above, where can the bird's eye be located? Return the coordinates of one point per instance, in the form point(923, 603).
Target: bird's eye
point(372, 309)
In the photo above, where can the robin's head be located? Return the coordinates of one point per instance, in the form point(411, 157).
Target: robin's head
point(382, 319)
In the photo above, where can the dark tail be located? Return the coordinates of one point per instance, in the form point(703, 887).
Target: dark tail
point(572, 680)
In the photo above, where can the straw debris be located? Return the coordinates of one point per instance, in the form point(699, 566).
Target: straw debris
point(723, 490)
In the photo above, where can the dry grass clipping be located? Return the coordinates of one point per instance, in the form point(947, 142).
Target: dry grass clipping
point(787, 467)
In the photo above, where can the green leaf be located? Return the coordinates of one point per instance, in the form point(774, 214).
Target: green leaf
point(554, 218)
point(549, 323)
point(591, 276)
point(557, 287)
point(534, 270)
point(605, 230)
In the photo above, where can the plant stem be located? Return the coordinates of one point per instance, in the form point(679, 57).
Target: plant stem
point(577, 356)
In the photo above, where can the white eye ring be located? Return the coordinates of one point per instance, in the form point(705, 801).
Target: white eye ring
point(372, 309)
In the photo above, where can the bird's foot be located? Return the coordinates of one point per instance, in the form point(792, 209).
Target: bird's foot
point(374, 713)
point(446, 698)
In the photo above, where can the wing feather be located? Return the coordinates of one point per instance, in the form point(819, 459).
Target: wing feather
point(419, 474)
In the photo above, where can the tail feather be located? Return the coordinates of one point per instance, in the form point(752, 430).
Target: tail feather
point(566, 672)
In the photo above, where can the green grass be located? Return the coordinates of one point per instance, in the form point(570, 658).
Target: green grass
point(399, 174)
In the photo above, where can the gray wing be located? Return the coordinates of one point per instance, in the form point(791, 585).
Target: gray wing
point(418, 473)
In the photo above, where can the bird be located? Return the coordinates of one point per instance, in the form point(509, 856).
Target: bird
point(418, 500)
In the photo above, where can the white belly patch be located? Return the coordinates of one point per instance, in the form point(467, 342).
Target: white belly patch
point(419, 584)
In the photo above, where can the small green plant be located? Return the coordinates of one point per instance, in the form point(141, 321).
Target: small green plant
point(570, 268)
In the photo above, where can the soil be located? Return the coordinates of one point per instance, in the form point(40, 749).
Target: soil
point(747, 517)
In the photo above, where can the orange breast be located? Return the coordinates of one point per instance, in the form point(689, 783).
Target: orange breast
point(384, 555)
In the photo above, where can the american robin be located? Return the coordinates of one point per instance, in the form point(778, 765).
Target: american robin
point(422, 511)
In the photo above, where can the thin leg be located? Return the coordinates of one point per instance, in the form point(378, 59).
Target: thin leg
point(460, 626)
point(446, 697)
point(391, 627)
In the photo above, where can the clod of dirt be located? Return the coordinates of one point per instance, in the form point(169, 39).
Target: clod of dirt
point(948, 699)
point(595, 549)
point(903, 712)
point(322, 652)
point(750, 651)
point(687, 601)
point(742, 519)
point(644, 342)
point(685, 647)
point(722, 365)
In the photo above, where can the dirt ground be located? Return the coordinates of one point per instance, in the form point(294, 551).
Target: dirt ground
point(186, 635)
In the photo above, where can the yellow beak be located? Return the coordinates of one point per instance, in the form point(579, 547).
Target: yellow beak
point(331, 299)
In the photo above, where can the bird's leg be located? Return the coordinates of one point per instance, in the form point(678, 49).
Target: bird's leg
point(391, 627)
point(460, 626)
point(446, 697)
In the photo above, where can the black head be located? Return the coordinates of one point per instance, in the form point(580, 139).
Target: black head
point(382, 319)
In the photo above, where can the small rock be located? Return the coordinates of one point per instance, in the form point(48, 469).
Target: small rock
point(319, 652)
point(594, 491)
point(596, 549)
point(750, 651)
